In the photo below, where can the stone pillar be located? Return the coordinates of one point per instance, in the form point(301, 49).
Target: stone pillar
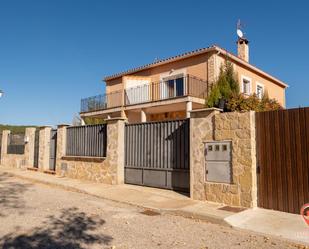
point(44, 147)
point(143, 116)
point(188, 108)
point(4, 146)
point(61, 145)
point(29, 146)
point(211, 69)
point(201, 130)
point(115, 148)
point(239, 128)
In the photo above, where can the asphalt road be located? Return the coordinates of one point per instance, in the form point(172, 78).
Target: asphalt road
point(39, 216)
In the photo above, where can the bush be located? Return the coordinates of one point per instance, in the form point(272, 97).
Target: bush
point(226, 90)
point(252, 103)
point(94, 121)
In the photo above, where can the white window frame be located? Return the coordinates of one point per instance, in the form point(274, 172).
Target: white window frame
point(256, 91)
point(242, 84)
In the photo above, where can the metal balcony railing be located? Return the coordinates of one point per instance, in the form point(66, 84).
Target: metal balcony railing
point(103, 101)
point(167, 89)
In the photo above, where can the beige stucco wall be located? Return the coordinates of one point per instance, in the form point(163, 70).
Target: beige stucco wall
point(133, 116)
point(211, 125)
point(274, 90)
point(109, 170)
point(197, 66)
point(207, 67)
point(114, 85)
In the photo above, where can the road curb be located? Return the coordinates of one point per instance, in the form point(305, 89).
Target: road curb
point(175, 212)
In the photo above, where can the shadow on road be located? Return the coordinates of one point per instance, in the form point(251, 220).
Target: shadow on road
point(71, 229)
point(11, 194)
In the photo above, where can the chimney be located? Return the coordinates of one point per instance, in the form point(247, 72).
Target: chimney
point(243, 49)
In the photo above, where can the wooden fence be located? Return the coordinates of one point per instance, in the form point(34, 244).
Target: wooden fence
point(88, 141)
point(283, 159)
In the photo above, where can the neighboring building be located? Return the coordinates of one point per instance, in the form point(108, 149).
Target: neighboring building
point(171, 88)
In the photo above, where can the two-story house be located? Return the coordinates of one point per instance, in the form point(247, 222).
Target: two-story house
point(170, 88)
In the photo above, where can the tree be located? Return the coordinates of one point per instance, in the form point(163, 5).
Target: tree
point(225, 87)
point(225, 94)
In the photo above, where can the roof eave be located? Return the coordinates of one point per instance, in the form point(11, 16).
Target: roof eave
point(194, 53)
point(254, 68)
point(162, 62)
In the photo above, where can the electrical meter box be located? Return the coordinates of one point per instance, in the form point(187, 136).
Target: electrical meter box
point(218, 157)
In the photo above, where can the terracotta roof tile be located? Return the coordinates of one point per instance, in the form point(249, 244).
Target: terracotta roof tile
point(192, 53)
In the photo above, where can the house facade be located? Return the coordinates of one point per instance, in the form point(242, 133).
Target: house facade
point(169, 89)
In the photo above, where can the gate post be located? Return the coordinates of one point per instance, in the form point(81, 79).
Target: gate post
point(61, 146)
point(4, 146)
point(209, 125)
point(115, 148)
point(29, 146)
point(201, 130)
point(44, 147)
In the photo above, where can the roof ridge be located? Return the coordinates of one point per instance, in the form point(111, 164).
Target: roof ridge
point(192, 53)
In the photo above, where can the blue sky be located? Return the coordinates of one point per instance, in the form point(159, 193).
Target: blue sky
point(53, 53)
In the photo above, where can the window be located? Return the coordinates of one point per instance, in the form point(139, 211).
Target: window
point(246, 85)
point(174, 86)
point(217, 147)
point(259, 90)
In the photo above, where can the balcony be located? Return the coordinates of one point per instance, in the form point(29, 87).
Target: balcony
point(156, 91)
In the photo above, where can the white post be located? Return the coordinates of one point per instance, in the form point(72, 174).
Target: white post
point(188, 108)
point(143, 116)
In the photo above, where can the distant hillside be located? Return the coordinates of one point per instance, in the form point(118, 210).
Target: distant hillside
point(15, 129)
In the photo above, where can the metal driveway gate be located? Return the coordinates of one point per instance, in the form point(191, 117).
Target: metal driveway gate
point(157, 154)
point(53, 150)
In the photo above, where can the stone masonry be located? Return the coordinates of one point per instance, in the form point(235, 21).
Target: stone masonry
point(15, 160)
point(211, 125)
point(109, 170)
point(44, 147)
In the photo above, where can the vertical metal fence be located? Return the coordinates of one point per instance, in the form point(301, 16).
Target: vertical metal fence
point(16, 144)
point(88, 140)
point(157, 154)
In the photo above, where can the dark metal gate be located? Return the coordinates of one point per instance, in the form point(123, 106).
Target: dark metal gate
point(53, 150)
point(36, 149)
point(283, 159)
point(157, 154)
